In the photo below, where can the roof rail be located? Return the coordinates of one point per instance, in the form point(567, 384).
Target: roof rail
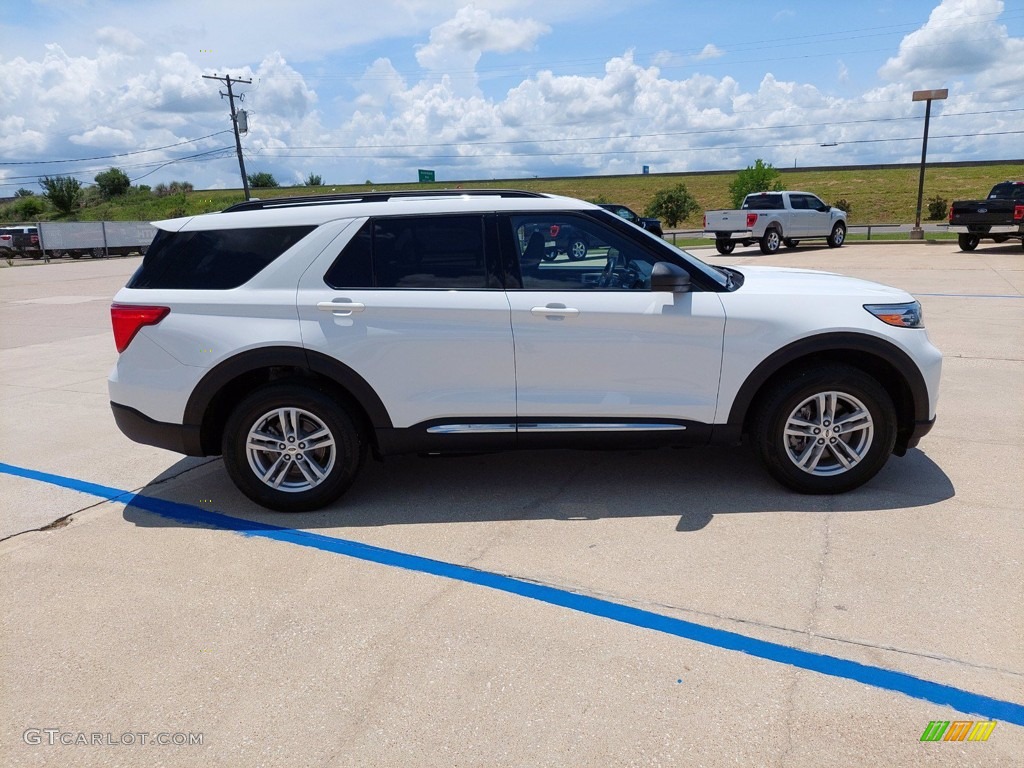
point(373, 197)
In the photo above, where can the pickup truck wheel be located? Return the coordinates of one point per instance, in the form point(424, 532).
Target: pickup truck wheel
point(577, 250)
point(968, 242)
point(838, 236)
point(291, 448)
point(771, 241)
point(790, 242)
point(725, 247)
point(828, 429)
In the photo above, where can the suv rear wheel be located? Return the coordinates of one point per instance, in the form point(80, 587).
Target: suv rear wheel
point(291, 448)
point(828, 429)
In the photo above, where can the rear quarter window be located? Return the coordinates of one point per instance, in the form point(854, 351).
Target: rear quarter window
point(212, 259)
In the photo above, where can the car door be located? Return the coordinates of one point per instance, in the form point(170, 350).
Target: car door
point(594, 345)
point(819, 217)
point(415, 307)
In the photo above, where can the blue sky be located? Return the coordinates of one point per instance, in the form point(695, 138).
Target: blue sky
point(500, 89)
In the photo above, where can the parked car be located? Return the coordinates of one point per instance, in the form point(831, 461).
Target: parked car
point(1000, 216)
point(774, 219)
point(20, 241)
point(651, 225)
point(294, 336)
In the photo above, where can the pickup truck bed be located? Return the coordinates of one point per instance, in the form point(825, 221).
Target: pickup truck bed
point(999, 217)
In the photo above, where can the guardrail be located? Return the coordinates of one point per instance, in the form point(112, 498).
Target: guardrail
point(858, 229)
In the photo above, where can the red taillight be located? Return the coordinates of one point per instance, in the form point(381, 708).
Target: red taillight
point(554, 230)
point(128, 320)
point(705, 220)
point(951, 213)
point(751, 219)
point(1018, 213)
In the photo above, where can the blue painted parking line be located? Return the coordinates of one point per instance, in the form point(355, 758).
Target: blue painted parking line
point(834, 666)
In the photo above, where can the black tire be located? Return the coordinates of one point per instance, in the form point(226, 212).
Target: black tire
point(725, 247)
point(866, 447)
point(789, 242)
point(98, 253)
point(339, 463)
point(550, 255)
point(838, 236)
point(577, 249)
point(968, 242)
point(771, 241)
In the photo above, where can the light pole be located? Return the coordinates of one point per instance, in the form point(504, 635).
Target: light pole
point(928, 96)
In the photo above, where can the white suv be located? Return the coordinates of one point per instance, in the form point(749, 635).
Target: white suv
point(293, 336)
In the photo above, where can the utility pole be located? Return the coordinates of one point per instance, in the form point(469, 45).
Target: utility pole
point(928, 96)
point(234, 122)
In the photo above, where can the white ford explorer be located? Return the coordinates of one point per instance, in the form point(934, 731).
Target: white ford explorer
point(293, 336)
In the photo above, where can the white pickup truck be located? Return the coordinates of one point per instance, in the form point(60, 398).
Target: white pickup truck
point(773, 219)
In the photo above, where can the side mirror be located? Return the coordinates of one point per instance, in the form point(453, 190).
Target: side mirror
point(666, 276)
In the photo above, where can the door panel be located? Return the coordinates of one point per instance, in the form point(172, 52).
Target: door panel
point(428, 352)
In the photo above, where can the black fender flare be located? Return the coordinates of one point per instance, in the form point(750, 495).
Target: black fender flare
point(285, 356)
point(831, 343)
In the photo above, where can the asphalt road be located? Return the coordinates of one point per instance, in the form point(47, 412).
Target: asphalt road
point(534, 609)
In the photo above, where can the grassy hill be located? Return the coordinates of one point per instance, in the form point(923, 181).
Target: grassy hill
point(877, 194)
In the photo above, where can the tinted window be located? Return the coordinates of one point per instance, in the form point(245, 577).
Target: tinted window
point(413, 252)
point(212, 259)
point(1007, 191)
point(763, 202)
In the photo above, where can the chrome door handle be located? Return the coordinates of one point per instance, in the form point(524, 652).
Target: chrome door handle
point(340, 308)
point(555, 311)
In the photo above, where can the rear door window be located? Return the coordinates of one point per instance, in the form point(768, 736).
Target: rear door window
point(424, 252)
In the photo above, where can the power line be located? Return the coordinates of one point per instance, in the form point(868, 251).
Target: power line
point(108, 157)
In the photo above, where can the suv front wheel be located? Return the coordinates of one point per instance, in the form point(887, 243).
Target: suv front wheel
point(291, 448)
point(828, 429)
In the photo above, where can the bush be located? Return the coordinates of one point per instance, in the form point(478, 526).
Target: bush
point(113, 183)
point(673, 205)
point(938, 208)
point(64, 192)
point(842, 204)
point(24, 193)
point(314, 180)
point(759, 177)
point(26, 208)
point(179, 187)
point(262, 179)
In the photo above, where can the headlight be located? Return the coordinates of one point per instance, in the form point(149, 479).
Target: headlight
point(900, 315)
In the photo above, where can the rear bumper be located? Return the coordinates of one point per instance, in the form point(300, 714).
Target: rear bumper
point(180, 438)
point(743, 234)
point(982, 229)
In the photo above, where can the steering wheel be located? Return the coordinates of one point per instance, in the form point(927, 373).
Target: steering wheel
point(608, 274)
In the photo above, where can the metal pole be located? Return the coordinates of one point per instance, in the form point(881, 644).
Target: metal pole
point(920, 180)
point(241, 161)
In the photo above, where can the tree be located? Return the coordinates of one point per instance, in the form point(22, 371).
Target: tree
point(64, 192)
point(759, 177)
point(314, 180)
point(262, 179)
point(843, 205)
point(24, 193)
point(112, 183)
point(673, 205)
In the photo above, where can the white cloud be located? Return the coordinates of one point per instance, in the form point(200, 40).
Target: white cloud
point(119, 40)
point(105, 136)
point(960, 38)
point(457, 44)
point(710, 51)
